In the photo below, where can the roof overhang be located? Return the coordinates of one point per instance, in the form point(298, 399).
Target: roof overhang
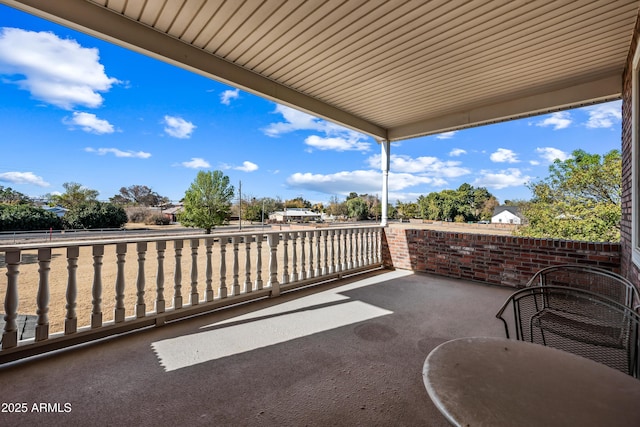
point(390, 69)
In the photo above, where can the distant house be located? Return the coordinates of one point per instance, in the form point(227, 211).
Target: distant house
point(173, 212)
point(58, 210)
point(507, 215)
point(294, 215)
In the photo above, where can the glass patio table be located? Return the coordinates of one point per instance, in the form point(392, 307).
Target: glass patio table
point(483, 381)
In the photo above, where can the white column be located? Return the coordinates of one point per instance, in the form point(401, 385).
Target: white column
point(385, 180)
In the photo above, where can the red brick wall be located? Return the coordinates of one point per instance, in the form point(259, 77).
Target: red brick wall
point(628, 268)
point(501, 260)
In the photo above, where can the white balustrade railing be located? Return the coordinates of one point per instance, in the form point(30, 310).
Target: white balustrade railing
point(79, 291)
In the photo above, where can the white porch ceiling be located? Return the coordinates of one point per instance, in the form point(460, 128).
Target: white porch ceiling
point(392, 69)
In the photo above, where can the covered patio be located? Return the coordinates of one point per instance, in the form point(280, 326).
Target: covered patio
point(348, 353)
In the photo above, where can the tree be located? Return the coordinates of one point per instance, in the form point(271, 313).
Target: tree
point(74, 195)
point(407, 210)
point(298, 202)
point(357, 208)
point(579, 200)
point(12, 197)
point(336, 208)
point(24, 217)
point(94, 214)
point(139, 195)
point(207, 202)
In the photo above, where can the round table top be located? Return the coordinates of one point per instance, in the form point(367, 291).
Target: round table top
point(485, 381)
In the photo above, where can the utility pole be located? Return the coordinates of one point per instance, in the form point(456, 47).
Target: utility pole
point(240, 205)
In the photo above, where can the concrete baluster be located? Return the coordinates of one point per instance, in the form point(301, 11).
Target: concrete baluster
point(96, 288)
point(223, 267)
point(141, 307)
point(331, 257)
point(325, 251)
point(285, 258)
point(303, 267)
point(338, 264)
point(248, 286)
point(209, 269)
point(71, 319)
point(259, 238)
point(118, 312)
point(318, 258)
point(10, 334)
point(310, 275)
point(177, 274)
point(273, 240)
point(236, 267)
point(294, 257)
point(44, 267)
point(194, 297)
point(350, 238)
point(161, 247)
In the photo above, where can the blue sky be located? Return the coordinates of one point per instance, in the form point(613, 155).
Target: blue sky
point(75, 108)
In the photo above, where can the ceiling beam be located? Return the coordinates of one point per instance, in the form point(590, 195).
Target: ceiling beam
point(101, 23)
point(602, 89)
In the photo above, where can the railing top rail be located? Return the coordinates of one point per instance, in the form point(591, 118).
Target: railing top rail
point(165, 237)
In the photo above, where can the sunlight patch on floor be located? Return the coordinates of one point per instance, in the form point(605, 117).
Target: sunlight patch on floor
point(238, 338)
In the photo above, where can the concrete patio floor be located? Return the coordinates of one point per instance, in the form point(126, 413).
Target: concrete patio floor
point(348, 353)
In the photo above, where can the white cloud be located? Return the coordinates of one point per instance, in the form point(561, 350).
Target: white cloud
point(534, 162)
point(178, 127)
point(294, 120)
point(502, 179)
point(118, 153)
point(57, 71)
point(446, 135)
point(89, 123)
point(504, 155)
point(23, 178)
point(428, 166)
point(550, 154)
point(604, 115)
point(246, 166)
point(457, 152)
point(196, 163)
point(228, 95)
point(360, 181)
point(337, 143)
point(559, 120)
point(335, 137)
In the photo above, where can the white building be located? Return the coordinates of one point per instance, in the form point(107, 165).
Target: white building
point(506, 215)
point(295, 215)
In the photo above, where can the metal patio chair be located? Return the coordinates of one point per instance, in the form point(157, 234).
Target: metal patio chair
point(592, 279)
point(578, 321)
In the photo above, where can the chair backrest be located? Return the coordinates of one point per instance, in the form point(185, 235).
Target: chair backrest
point(578, 321)
point(593, 279)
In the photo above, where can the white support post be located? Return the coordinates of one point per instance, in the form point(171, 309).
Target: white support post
point(385, 145)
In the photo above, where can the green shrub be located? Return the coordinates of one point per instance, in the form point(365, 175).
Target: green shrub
point(95, 215)
point(26, 217)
